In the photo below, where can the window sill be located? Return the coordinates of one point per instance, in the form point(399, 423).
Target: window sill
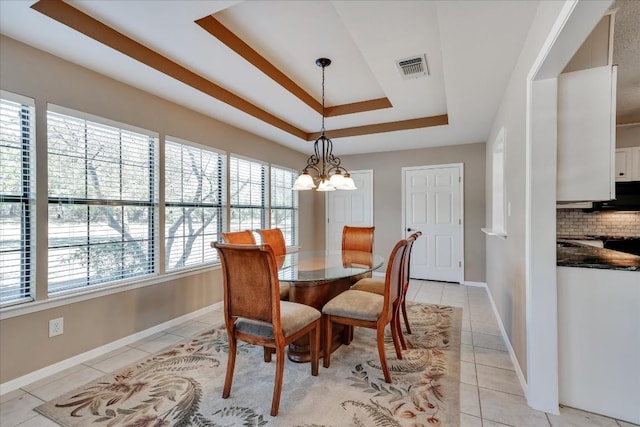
point(72, 297)
point(490, 232)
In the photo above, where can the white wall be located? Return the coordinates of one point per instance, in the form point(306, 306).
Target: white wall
point(628, 136)
point(511, 262)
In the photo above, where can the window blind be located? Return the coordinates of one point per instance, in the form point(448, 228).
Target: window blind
point(194, 202)
point(102, 202)
point(16, 198)
point(284, 204)
point(247, 194)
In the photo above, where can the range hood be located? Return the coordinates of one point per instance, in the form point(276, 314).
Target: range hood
point(627, 198)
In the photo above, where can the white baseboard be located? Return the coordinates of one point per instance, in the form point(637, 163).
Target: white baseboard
point(512, 354)
point(96, 352)
point(475, 284)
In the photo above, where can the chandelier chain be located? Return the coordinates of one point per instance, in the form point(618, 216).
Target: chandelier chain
point(322, 129)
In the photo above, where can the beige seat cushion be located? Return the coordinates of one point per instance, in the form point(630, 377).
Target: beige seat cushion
point(355, 304)
point(374, 284)
point(293, 316)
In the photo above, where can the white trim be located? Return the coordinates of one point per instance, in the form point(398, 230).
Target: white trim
point(54, 108)
point(96, 352)
point(83, 295)
point(403, 234)
point(541, 297)
point(535, 342)
point(490, 232)
point(15, 97)
point(505, 337)
point(379, 274)
point(475, 284)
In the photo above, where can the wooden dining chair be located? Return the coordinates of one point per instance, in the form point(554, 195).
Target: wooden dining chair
point(359, 308)
point(376, 285)
point(274, 238)
point(405, 287)
point(239, 237)
point(358, 239)
point(254, 313)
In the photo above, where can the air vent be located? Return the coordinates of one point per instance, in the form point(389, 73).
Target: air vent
point(414, 67)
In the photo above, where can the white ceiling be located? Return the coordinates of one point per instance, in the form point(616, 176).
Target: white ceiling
point(626, 53)
point(471, 48)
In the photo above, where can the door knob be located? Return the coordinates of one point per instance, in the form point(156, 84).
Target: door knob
point(409, 229)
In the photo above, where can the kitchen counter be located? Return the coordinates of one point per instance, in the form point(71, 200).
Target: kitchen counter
point(570, 254)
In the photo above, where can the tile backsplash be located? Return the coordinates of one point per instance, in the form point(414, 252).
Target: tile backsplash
point(575, 222)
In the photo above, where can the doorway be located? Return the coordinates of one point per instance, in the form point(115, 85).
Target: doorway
point(353, 207)
point(433, 204)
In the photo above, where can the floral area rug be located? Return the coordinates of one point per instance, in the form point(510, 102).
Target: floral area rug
point(182, 385)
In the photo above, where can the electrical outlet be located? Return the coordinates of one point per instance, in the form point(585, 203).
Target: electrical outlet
point(56, 327)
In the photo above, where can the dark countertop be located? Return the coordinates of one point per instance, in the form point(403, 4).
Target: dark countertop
point(577, 255)
point(594, 237)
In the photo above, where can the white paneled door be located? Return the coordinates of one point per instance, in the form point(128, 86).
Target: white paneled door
point(352, 207)
point(433, 205)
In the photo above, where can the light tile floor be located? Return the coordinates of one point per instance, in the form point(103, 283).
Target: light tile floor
point(490, 393)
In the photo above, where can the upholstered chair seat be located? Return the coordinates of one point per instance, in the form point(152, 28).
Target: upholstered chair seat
point(254, 313)
point(356, 304)
point(370, 310)
point(293, 316)
point(376, 285)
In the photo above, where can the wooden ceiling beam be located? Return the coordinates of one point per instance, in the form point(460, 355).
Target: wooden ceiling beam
point(91, 27)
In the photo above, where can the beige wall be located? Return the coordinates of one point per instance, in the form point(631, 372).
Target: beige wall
point(628, 136)
point(387, 188)
point(506, 257)
point(594, 51)
point(24, 345)
point(95, 322)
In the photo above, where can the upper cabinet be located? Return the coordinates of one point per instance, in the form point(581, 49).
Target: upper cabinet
point(587, 121)
point(628, 164)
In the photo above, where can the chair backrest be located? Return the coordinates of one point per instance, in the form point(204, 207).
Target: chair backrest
point(393, 277)
point(357, 238)
point(239, 237)
point(274, 238)
point(406, 273)
point(250, 283)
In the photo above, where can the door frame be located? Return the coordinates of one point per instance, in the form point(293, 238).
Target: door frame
point(403, 232)
point(369, 172)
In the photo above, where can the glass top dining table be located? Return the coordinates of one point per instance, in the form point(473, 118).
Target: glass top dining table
point(317, 266)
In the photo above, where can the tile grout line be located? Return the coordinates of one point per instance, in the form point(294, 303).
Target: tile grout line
point(475, 364)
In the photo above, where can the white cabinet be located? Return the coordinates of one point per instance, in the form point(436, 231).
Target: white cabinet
point(586, 135)
point(635, 164)
point(599, 341)
point(628, 164)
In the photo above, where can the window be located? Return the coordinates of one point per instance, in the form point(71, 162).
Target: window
point(497, 183)
point(284, 204)
point(194, 201)
point(247, 188)
point(102, 200)
point(16, 198)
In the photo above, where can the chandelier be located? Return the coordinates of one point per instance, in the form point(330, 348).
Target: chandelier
point(324, 166)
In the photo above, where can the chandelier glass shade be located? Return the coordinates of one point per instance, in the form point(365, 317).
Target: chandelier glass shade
point(323, 168)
